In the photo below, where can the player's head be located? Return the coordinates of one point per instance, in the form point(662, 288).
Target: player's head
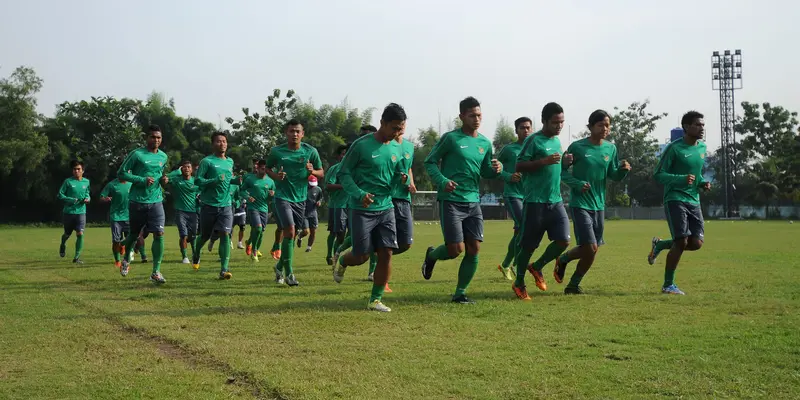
point(552, 119)
point(312, 180)
point(77, 168)
point(260, 167)
point(523, 127)
point(393, 122)
point(341, 151)
point(599, 124)
point(693, 124)
point(367, 129)
point(186, 168)
point(153, 137)
point(469, 111)
point(255, 164)
point(219, 140)
point(294, 132)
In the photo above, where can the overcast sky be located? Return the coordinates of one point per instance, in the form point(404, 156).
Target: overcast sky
point(215, 57)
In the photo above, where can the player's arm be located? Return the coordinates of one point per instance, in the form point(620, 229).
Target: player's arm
point(201, 180)
point(125, 171)
point(62, 194)
point(566, 175)
point(87, 195)
point(400, 175)
point(439, 151)
point(662, 173)
point(349, 163)
point(487, 170)
point(104, 193)
point(505, 176)
point(526, 163)
point(272, 163)
point(614, 171)
point(331, 184)
point(316, 163)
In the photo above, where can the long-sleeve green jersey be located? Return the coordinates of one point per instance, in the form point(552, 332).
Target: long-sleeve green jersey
point(592, 164)
point(214, 176)
point(399, 189)
point(370, 166)
point(293, 188)
point(508, 157)
point(184, 190)
point(336, 198)
point(679, 160)
point(463, 159)
point(258, 189)
point(544, 184)
point(119, 193)
point(137, 167)
point(72, 194)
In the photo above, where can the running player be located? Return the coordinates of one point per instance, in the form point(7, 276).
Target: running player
point(680, 170)
point(295, 162)
point(369, 170)
point(512, 191)
point(117, 192)
point(313, 202)
point(465, 156)
point(594, 161)
point(258, 188)
point(239, 204)
point(337, 205)
point(539, 162)
point(74, 193)
point(143, 168)
point(185, 204)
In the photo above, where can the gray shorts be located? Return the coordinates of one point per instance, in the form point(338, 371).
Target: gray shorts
point(588, 225)
point(291, 214)
point(312, 220)
point(538, 218)
point(74, 222)
point(219, 219)
point(257, 218)
point(514, 208)
point(240, 217)
point(147, 217)
point(403, 221)
point(461, 221)
point(119, 231)
point(684, 219)
point(337, 220)
point(186, 222)
point(372, 230)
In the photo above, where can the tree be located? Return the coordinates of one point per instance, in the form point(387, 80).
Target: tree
point(328, 126)
point(504, 134)
point(423, 144)
point(260, 132)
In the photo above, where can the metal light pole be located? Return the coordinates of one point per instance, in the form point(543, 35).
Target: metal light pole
point(726, 77)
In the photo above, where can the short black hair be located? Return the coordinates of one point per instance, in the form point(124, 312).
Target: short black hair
point(292, 122)
point(75, 163)
point(218, 133)
point(184, 162)
point(597, 116)
point(261, 163)
point(393, 112)
point(341, 148)
point(468, 104)
point(153, 128)
point(254, 160)
point(550, 110)
point(369, 128)
point(690, 117)
point(521, 120)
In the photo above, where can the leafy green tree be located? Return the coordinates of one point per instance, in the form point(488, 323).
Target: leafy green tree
point(504, 134)
point(260, 132)
point(423, 144)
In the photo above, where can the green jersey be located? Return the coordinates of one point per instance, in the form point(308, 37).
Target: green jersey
point(119, 193)
point(294, 187)
point(508, 157)
point(73, 194)
point(678, 160)
point(248, 176)
point(400, 190)
point(214, 177)
point(336, 198)
point(371, 166)
point(137, 167)
point(185, 191)
point(258, 189)
point(544, 184)
point(464, 160)
point(236, 196)
point(591, 164)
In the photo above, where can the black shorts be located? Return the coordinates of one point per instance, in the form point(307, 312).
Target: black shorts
point(186, 222)
point(461, 221)
point(514, 207)
point(257, 218)
point(312, 220)
point(119, 231)
point(403, 221)
point(147, 217)
point(291, 214)
point(539, 218)
point(372, 230)
point(74, 222)
point(684, 219)
point(240, 218)
point(337, 220)
point(219, 219)
point(588, 225)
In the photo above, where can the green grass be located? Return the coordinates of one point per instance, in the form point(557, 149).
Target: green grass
point(86, 332)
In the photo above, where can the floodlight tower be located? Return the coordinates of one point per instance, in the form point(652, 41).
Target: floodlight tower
point(726, 77)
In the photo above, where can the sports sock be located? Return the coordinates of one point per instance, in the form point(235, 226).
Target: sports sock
point(373, 262)
point(115, 249)
point(224, 251)
point(64, 239)
point(128, 244)
point(575, 280)
point(331, 239)
point(440, 253)
point(257, 245)
point(276, 246)
point(669, 277)
point(346, 243)
point(377, 292)
point(553, 250)
point(253, 241)
point(663, 245)
point(287, 255)
point(142, 252)
point(78, 246)
point(158, 252)
point(183, 249)
point(469, 265)
point(522, 261)
point(510, 253)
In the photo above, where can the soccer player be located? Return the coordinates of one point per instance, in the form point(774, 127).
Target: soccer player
point(337, 205)
point(295, 161)
point(313, 202)
point(214, 177)
point(539, 162)
point(366, 130)
point(258, 188)
point(594, 161)
point(239, 204)
point(143, 168)
point(512, 191)
point(680, 170)
point(186, 218)
point(465, 156)
point(74, 193)
point(369, 171)
point(117, 192)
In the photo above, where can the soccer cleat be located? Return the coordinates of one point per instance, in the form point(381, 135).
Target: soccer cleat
point(157, 278)
point(329, 260)
point(538, 277)
point(521, 292)
point(308, 249)
point(225, 275)
point(559, 270)
point(260, 254)
point(371, 277)
point(185, 260)
point(254, 257)
point(210, 245)
point(573, 290)
point(117, 264)
point(124, 269)
point(231, 245)
point(376, 305)
point(196, 266)
point(387, 289)
point(131, 256)
point(463, 299)
point(248, 249)
point(299, 242)
point(672, 289)
point(77, 261)
point(506, 272)
point(62, 250)
point(428, 264)
point(276, 254)
point(240, 245)
point(144, 260)
point(335, 261)
point(651, 258)
point(338, 274)
point(278, 275)
point(291, 280)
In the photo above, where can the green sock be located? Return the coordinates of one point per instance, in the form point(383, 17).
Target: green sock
point(440, 253)
point(287, 255)
point(142, 251)
point(510, 253)
point(331, 239)
point(669, 277)
point(115, 250)
point(550, 253)
point(523, 259)
point(128, 243)
point(253, 241)
point(183, 249)
point(346, 243)
point(377, 292)
point(158, 252)
point(260, 239)
point(663, 245)
point(276, 246)
point(575, 281)
point(373, 263)
point(469, 265)
point(224, 251)
point(78, 245)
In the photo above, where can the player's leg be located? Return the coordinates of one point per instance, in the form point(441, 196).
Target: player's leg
point(140, 241)
point(256, 231)
point(80, 227)
point(191, 233)
point(384, 240)
point(276, 245)
point(242, 225)
point(116, 239)
point(530, 235)
point(312, 223)
point(404, 223)
point(557, 224)
point(223, 226)
point(678, 218)
point(138, 219)
point(657, 245)
point(362, 223)
point(696, 227)
point(156, 219)
point(514, 208)
point(451, 216)
point(69, 226)
point(291, 216)
point(181, 222)
point(331, 236)
point(472, 227)
point(588, 227)
point(207, 220)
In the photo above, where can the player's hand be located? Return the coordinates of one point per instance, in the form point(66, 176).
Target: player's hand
point(412, 188)
point(624, 165)
point(86, 201)
point(105, 199)
point(404, 178)
point(150, 180)
point(690, 179)
point(586, 187)
point(164, 179)
point(568, 159)
point(281, 174)
point(251, 199)
point(707, 186)
point(222, 177)
point(552, 159)
point(271, 193)
point(309, 167)
point(516, 177)
point(496, 166)
point(367, 200)
point(450, 186)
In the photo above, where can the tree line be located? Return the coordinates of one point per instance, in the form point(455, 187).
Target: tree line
point(35, 150)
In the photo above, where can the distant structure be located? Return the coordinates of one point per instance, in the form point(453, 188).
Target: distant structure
point(726, 77)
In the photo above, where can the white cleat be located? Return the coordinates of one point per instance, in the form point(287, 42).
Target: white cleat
point(240, 246)
point(378, 306)
point(338, 274)
point(185, 261)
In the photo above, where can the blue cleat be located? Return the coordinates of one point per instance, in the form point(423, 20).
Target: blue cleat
point(672, 289)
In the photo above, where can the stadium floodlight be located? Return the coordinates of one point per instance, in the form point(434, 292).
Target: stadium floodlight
point(726, 77)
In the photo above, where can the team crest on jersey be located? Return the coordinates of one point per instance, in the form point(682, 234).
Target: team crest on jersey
point(480, 150)
point(394, 158)
point(408, 156)
point(160, 164)
point(702, 155)
point(605, 158)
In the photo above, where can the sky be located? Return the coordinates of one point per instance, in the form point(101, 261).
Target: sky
point(215, 57)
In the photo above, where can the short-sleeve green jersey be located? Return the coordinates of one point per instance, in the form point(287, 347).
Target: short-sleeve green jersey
point(294, 188)
point(370, 166)
point(592, 164)
point(185, 191)
point(236, 197)
point(508, 157)
point(678, 160)
point(119, 193)
point(258, 189)
point(214, 176)
point(400, 190)
point(72, 194)
point(544, 184)
point(464, 160)
point(336, 198)
point(140, 165)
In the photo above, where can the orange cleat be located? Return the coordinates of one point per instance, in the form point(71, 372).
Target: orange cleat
point(248, 250)
point(387, 289)
point(118, 264)
point(538, 277)
point(276, 254)
point(522, 293)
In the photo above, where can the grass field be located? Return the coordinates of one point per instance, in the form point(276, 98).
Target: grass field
point(85, 332)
